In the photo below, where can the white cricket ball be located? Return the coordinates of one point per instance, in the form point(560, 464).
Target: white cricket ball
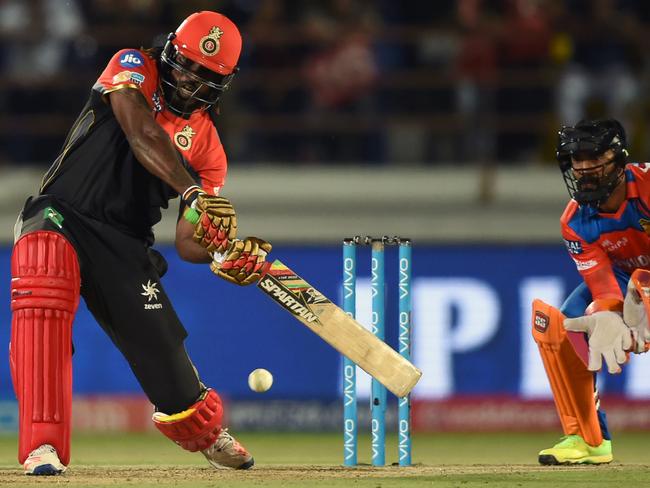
point(260, 380)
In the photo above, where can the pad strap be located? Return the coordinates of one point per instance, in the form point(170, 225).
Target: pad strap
point(196, 428)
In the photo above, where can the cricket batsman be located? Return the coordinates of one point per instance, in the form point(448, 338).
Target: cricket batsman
point(146, 135)
point(606, 228)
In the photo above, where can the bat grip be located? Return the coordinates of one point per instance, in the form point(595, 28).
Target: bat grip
point(265, 269)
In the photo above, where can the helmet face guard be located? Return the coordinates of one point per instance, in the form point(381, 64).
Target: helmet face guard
point(189, 86)
point(590, 140)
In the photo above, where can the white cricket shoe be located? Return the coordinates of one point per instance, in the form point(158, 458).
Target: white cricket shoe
point(226, 451)
point(43, 461)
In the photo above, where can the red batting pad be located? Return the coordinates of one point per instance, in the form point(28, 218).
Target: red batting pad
point(196, 428)
point(44, 298)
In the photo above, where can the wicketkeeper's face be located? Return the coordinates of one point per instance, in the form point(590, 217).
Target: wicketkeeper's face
point(591, 170)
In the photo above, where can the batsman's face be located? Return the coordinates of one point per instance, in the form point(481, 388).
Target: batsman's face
point(189, 86)
point(191, 81)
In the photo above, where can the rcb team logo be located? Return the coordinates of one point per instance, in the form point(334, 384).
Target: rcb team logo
point(209, 44)
point(183, 139)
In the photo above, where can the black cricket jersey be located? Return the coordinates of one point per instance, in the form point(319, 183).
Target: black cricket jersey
point(97, 173)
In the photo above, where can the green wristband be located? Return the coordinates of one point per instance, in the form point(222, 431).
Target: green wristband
point(191, 215)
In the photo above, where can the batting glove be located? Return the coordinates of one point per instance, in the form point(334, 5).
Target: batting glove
point(243, 263)
point(214, 219)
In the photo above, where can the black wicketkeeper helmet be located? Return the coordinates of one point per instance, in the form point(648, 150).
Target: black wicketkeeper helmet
point(588, 140)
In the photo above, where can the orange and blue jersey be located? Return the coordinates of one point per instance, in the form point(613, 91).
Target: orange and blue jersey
point(607, 247)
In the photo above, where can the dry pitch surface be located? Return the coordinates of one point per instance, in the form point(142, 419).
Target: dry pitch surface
point(442, 461)
point(318, 475)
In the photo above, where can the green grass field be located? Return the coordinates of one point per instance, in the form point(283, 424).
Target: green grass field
point(294, 460)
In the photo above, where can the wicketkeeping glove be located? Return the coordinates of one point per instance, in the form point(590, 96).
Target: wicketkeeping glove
point(609, 337)
point(636, 318)
point(214, 219)
point(243, 262)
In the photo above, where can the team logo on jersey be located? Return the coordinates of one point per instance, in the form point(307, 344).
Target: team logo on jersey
point(209, 45)
point(183, 139)
point(151, 292)
point(574, 247)
point(645, 224)
point(132, 59)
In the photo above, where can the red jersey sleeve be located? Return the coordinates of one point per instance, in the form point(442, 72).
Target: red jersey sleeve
point(593, 264)
point(129, 68)
point(213, 170)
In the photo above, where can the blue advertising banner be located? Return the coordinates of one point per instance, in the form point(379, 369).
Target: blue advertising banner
point(471, 314)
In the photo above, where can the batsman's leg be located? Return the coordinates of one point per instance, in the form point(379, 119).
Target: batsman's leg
point(152, 341)
point(44, 298)
point(195, 428)
point(196, 424)
point(198, 428)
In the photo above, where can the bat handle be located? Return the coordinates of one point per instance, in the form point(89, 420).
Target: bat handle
point(265, 269)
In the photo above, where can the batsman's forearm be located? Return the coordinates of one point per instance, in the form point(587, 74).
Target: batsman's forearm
point(192, 252)
point(155, 152)
point(150, 143)
point(187, 249)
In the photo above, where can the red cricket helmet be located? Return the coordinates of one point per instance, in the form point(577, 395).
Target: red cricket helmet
point(199, 61)
point(210, 39)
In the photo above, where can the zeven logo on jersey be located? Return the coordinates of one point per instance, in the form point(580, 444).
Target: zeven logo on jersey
point(151, 293)
point(574, 247)
point(131, 59)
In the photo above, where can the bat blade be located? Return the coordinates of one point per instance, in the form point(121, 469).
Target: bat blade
point(338, 329)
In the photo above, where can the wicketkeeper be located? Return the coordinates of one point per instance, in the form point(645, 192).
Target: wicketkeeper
point(146, 135)
point(606, 229)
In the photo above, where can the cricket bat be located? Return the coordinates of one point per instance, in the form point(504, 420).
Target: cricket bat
point(338, 329)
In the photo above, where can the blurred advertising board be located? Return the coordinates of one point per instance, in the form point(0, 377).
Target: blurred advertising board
point(471, 315)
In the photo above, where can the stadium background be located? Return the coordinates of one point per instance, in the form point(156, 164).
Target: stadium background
point(354, 117)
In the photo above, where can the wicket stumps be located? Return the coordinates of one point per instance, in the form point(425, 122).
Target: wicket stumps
point(378, 391)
